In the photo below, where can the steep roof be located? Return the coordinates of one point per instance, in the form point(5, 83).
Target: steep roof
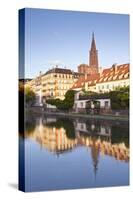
point(91, 79)
point(116, 72)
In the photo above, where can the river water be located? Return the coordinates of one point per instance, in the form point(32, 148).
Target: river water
point(70, 153)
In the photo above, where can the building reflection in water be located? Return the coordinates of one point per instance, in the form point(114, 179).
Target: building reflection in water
point(63, 135)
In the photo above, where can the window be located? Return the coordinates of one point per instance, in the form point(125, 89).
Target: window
point(106, 103)
point(107, 86)
point(81, 104)
point(126, 75)
point(82, 126)
point(105, 78)
point(110, 77)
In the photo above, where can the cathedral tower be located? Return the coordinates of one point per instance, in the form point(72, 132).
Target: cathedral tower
point(93, 56)
point(92, 67)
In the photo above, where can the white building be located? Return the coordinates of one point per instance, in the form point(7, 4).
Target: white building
point(81, 103)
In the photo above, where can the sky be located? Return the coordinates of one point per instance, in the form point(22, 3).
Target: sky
point(63, 38)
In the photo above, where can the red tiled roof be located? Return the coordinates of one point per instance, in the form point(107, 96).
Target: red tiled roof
point(82, 80)
point(114, 73)
point(110, 74)
point(79, 83)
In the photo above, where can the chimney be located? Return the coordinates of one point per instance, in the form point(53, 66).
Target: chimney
point(40, 73)
point(114, 66)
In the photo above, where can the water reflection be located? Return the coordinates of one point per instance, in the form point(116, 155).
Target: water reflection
point(66, 153)
point(59, 135)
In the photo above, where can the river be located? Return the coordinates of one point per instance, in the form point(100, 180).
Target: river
point(69, 153)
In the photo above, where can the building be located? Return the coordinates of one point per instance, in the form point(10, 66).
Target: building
point(53, 84)
point(92, 66)
point(84, 103)
point(106, 80)
point(87, 82)
point(90, 77)
point(93, 56)
point(57, 81)
point(97, 79)
point(111, 78)
point(36, 85)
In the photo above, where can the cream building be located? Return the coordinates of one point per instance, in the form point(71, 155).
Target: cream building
point(36, 85)
point(57, 81)
point(52, 84)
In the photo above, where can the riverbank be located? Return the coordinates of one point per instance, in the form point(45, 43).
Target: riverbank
point(82, 115)
point(108, 117)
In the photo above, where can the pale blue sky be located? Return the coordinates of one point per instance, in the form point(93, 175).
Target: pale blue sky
point(64, 38)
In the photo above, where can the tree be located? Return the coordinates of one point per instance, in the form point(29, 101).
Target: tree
point(65, 104)
point(29, 96)
point(69, 99)
point(120, 98)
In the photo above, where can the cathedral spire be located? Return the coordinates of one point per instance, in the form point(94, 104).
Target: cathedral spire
point(93, 44)
point(93, 56)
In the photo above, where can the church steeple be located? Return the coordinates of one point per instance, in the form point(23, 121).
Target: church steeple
point(93, 56)
point(93, 44)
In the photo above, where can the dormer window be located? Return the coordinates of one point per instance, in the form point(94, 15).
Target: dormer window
point(121, 76)
point(110, 78)
point(126, 75)
point(114, 78)
point(105, 78)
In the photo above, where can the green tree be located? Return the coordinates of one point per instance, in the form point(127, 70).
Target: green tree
point(29, 96)
point(65, 104)
point(120, 98)
point(69, 99)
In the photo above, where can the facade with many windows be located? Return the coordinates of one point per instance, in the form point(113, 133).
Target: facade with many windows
point(56, 82)
point(53, 84)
